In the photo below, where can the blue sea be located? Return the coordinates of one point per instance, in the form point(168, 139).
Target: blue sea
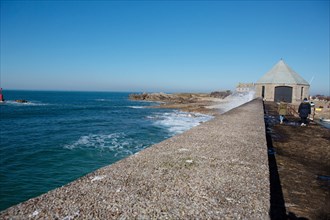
point(58, 137)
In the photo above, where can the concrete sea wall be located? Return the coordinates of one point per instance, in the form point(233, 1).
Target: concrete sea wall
point(217, 170)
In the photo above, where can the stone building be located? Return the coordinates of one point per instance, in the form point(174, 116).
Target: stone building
point(245, 87)
point(282, 83)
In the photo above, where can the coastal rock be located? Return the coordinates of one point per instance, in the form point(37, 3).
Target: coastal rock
point(21, 101)
point(178, 97)
point(154, 96)
point(221, 95)
point(189, 102)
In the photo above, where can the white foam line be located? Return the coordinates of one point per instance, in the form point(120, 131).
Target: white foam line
point(137, 107)
point(97, 178)
point(11, 102)
point(177, 122)
point(234, 100)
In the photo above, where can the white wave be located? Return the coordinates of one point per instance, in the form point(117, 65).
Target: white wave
point(177, 122)
point(137, 107)
point(103, 100)
point(29, 103)
point(235, 100)
point(118, 143)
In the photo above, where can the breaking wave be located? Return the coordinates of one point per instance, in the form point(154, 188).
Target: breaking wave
point(29, 103)
point(136, 107)
point(177, 122)
point(236, 99)
point(103, 100)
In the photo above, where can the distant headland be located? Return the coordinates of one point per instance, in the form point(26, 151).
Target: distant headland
point(189, 102)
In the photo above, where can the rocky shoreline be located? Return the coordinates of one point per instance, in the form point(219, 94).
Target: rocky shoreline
point(189, 102)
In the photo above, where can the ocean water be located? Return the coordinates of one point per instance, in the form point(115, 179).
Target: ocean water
point(58, 137)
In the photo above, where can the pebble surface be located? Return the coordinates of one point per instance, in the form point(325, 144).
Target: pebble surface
point(217, 170)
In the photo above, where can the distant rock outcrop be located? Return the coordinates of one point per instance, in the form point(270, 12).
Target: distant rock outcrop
point(151, 96)
point(172, 98)
point(221, 95)
point(21, 101)
point(179, 97)
point(189, 102)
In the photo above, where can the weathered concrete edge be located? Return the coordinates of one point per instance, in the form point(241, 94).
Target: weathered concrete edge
point(216, 170)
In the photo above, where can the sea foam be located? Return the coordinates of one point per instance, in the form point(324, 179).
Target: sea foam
point(136, 107)
point(235, 100)
point(118, 143)
point(29, 103)
point(177, 122)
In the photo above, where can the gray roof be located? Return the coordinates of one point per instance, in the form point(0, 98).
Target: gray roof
point(282, 73)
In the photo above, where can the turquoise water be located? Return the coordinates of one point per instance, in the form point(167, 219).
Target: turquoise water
point(58, 137)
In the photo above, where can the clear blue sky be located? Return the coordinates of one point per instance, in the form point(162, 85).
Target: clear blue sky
point(169, 46)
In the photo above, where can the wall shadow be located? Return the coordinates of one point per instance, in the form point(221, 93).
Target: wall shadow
point(277, 205)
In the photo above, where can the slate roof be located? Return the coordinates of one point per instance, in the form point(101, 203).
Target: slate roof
point(282, 73)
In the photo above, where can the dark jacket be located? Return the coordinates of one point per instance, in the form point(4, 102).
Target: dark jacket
point(304, 109)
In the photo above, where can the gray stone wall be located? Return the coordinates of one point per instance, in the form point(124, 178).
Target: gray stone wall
point(270, 91)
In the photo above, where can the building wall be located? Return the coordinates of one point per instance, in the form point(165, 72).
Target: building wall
point(245, 87)
point(297, 94)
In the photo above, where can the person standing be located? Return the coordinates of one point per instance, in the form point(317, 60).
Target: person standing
point(304, 110)
point(282, 110)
